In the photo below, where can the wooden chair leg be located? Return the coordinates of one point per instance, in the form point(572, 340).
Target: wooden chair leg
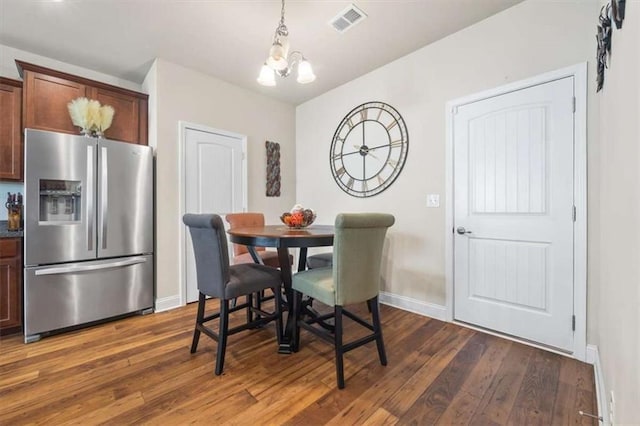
point(249, 305)
point(377, 329)
point(338, 346)
point(278, 308)
point(199, 317)
point(297, 307)
point(259, 297)
point(222, 335)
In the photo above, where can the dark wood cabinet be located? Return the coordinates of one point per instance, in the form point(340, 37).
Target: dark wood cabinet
point(45, 102)
point(10, 285)
point(10, 129)
point(47, 93)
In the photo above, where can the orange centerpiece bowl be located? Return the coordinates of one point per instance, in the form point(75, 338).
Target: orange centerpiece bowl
point(298, 218)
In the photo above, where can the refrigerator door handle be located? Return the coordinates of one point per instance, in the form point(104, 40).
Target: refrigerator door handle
point(104, 198)
point(90, 201)
point(85, 268)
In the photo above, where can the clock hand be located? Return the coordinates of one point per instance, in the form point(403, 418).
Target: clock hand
point(368, 151)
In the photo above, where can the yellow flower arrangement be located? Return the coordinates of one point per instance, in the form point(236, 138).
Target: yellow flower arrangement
point(90, 116)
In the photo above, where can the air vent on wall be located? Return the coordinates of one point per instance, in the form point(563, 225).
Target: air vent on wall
point(348, 18)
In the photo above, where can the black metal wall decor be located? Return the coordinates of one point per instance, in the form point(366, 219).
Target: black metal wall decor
point(611, 12)
point(273, 169)
point(603, 37)
point(617, 12)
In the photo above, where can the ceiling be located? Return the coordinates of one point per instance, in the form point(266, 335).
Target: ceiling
point(230, 39)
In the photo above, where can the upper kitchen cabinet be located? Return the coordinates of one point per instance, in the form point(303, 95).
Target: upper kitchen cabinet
point(10, 129)
point(48, 92)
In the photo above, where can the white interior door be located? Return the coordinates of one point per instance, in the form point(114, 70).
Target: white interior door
point(215, 177)
point(514, 213)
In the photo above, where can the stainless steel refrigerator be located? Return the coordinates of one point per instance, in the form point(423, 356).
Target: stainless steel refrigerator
point(88, 231)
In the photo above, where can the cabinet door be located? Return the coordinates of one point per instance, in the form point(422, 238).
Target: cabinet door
point(10, 286)
point(126, 120)
point(46, 102)
point(10, 134)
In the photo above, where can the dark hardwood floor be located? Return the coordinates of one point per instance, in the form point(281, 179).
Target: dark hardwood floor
point(139, 370)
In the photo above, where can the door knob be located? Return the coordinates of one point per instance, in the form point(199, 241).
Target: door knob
point(462, 231)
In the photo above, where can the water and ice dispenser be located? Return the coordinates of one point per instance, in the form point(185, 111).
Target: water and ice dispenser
point(60, 200)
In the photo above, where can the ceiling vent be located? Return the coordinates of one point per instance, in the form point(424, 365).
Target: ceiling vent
point(348, 18)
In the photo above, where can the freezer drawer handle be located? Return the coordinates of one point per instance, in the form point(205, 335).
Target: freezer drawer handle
point(72, 269)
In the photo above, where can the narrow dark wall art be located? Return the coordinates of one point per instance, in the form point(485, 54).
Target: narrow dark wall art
point(612, 12)
point(603, 37)
point(273, 169)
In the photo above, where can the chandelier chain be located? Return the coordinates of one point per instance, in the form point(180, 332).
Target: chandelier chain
point(282, 29)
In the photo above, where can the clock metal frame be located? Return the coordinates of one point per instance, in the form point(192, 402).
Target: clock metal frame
point(369, 149)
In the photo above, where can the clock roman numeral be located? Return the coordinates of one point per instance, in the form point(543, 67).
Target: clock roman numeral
point(340, 172)
point(363, 114)
point(392, 125)
point(350, 183)
point(350, 123)
point(380, 180)
point(397, 143)
point(393, 163)
point(365, 188)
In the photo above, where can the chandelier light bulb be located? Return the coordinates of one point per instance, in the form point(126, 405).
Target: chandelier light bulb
point(278, 56)
point(305, 73)
point(267, 76)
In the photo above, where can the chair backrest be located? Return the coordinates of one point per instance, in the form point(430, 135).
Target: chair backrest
point(211, 252)
point(238, 220)
point(357, 255)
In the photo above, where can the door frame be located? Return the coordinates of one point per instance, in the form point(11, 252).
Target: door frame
point(579, 73)
point(183, 126)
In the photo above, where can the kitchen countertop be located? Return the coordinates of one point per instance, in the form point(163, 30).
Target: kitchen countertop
point(4, 233)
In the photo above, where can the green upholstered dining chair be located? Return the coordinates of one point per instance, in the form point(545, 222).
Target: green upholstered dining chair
point(354, 277)
point(216, 278)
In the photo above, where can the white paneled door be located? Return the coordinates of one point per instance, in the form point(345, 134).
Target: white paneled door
point(514, 213)
point(214, 183)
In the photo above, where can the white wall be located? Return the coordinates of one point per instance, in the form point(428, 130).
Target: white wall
point(528, 39)
point(617, 299)
point(187, 95)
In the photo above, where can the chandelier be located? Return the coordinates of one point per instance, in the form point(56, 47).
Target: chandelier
point(281, 62)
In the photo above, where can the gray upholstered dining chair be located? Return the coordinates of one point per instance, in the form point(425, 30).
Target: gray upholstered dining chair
point(216, 278)
point(354, 277)
point(319, 260)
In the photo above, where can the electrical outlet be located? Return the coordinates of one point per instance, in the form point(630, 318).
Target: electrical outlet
point(612, 408)
point(433, 200)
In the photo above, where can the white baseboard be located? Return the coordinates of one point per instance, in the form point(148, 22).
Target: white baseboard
point(593, 358)
point(412, 305)
point(168, 303)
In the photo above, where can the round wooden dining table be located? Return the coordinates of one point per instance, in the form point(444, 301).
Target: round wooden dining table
point(282, 238)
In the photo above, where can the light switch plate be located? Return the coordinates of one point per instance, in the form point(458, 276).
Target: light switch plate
point(433, 200)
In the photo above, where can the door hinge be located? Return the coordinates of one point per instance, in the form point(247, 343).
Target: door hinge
point(575, 213)
point(574, 104)
point(573, 323)
point(455, 110)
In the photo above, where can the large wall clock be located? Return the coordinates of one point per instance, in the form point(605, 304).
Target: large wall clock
point(369, 149)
